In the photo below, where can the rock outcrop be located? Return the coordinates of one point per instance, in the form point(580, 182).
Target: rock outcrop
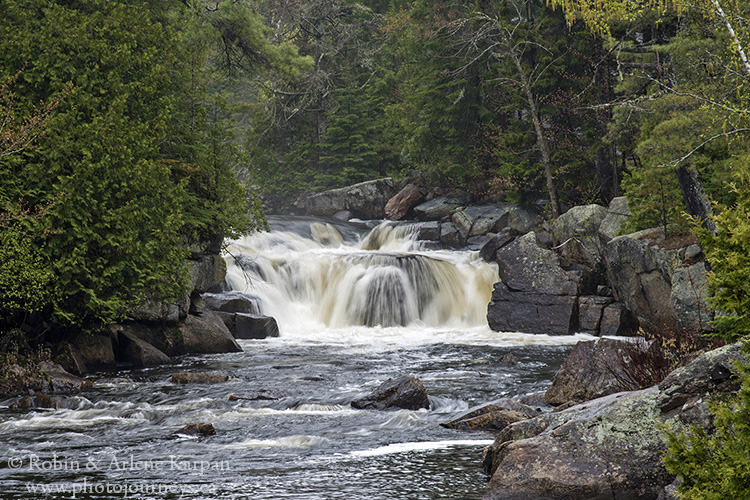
point(401, 205)
point(610, 447)
point(535, 294)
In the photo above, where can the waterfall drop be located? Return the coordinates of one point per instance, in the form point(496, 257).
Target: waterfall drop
point(311, 277)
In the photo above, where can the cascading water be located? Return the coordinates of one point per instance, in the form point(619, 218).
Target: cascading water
point(355, 306)
point(386, 279)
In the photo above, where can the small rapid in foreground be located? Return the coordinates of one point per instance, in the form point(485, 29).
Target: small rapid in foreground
point(118, 439)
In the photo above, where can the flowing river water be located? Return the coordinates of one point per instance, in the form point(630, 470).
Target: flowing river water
point(356, 304)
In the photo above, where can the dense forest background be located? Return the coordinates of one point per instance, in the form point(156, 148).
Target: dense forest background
point(133, 130)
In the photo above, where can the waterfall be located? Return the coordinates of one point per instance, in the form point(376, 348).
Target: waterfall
point(384, 278)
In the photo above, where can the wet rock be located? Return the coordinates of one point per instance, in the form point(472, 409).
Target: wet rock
point(406, 392)
point(200, 429)
point(232, 302)
point(139, 353)
point(40, 401)
point(528, 312)
point(343, 215)
point(449, 236)
point(441, 208)
point(250, 326)
point(259, 395)
point(199, 378)
point(507, 359)
point(593, 369)
point(493, 416)
point(426, 231)
point(400, 206)
point(207, 334)
point(366, 200)
point(59, 380)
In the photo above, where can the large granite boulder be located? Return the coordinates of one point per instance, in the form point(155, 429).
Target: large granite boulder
point(365, 200)
point(406, 392)
point(400, 206)
point(611, 447)
point(139, 353)
point(207, 273)
point(594, 369)
point(442, 208)
point(535, 294)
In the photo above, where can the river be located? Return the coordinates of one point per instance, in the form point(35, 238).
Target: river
point(356, 304)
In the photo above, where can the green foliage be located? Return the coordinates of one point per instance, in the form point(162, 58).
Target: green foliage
point(728, 251)
point(715, 466)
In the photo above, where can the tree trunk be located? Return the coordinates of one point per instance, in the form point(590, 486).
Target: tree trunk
point(696, 199)
point(541, 139)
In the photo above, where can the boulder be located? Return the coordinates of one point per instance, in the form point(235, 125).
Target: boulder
point(41, 401)
point(617, 213)
point(710, 373)
point(139, 353)
point(449, 236)
point(593, 369)
point(400, 205)
point(200, 429)
point(640, 277)
point(405, 392)
point(493, 416)
point(250, 326)
point(233, 302)
point(89, 352)
point(581, 223)
point(199, 378)
point(535, 294)
point(365, 200)
point(207, 334)
point(440, 208)
point(497, 241)
point(479, 220)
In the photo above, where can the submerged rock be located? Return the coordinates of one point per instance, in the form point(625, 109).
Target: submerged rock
point(199, 378)
point(40, 401)
point(493, 416)
point(200, 429)
point(259, 395)
point(406, 392)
